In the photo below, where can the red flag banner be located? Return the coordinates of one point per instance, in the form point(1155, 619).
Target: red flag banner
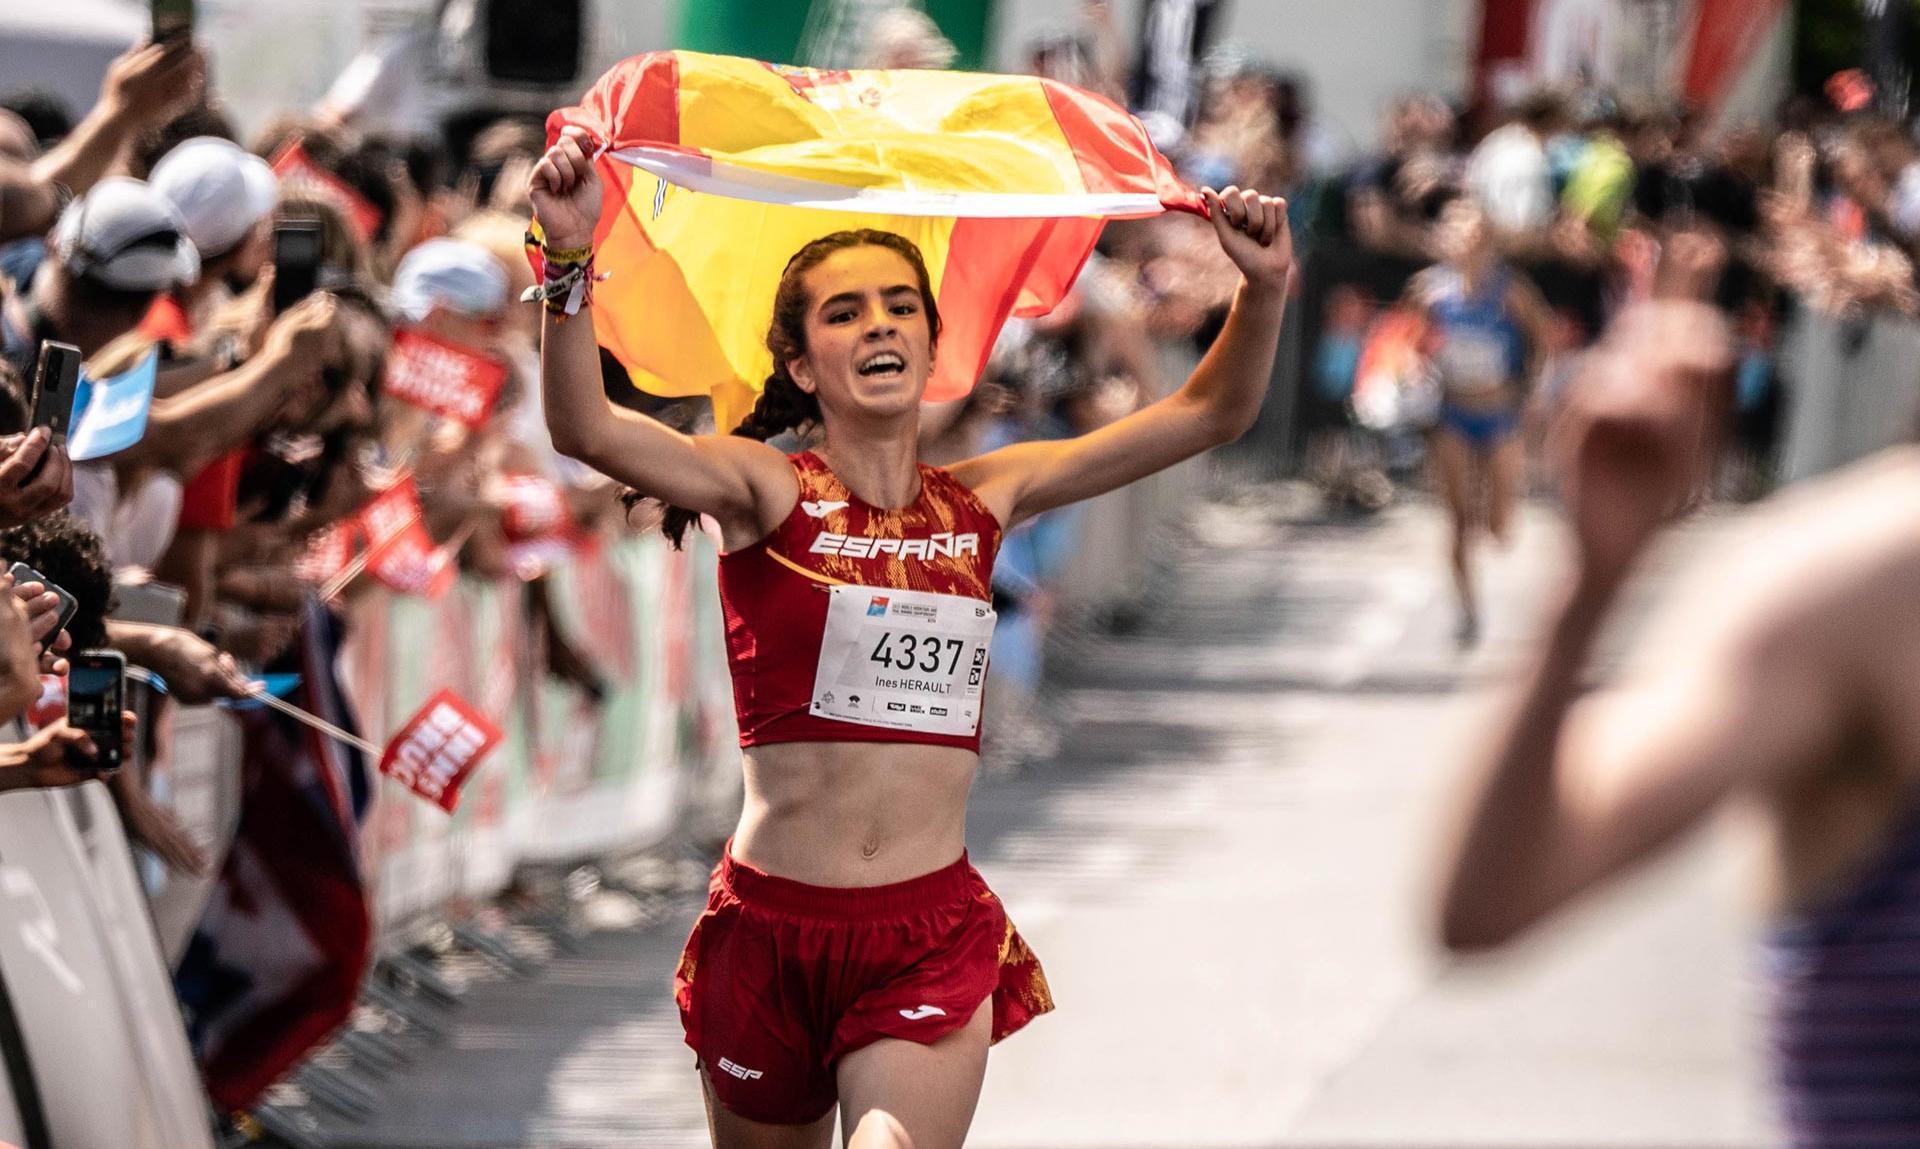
point(438, 749)
point(444, 378)
point(410, 563)
point(539, 527)
point(300, 175)
point(390, 512)
point(328, 553)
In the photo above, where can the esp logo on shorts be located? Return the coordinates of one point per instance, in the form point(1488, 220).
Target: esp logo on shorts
point(438, 749)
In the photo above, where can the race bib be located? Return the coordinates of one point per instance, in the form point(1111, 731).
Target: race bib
point(1473, 359)
point(904, 660)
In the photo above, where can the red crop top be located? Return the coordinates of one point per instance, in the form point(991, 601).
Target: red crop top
point(918, 664)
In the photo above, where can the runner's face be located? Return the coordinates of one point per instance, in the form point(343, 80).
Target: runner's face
point(868, 345)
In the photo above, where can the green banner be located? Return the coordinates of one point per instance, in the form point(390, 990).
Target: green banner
point(772, 29)
point(761, 29)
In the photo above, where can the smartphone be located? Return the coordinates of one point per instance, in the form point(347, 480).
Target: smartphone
point(69, 605)
point(172, 20)
point(96, 694)
point(296, 261)
point(54, 381)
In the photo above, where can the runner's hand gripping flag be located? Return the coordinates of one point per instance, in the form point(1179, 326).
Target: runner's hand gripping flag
point(716, 170)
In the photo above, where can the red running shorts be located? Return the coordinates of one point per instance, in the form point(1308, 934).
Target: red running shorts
point(780, 980)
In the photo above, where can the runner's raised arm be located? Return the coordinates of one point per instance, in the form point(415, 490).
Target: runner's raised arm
point(1217, 405)
point(745, 485)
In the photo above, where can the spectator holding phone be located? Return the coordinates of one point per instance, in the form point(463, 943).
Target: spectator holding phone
point(225, 197)
point(115, 250)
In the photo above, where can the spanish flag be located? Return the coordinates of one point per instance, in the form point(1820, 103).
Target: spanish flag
point(718, 169)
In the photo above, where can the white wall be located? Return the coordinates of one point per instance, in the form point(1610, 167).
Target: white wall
point(1357, 54)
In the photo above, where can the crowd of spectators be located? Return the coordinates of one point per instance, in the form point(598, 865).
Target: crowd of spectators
point(1818, 209)
point(144, 230)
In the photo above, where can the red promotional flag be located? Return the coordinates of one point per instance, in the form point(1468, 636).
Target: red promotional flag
point(328, 553)
point(410, 563)
point(439, 748)
point(390, 512)
point(443, 378)
point(299, 175)
point(533, 507)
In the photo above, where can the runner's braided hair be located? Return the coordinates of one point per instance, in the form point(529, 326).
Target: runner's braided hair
point(782, 405)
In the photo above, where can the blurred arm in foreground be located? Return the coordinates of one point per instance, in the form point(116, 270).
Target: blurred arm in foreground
point(1784, 678)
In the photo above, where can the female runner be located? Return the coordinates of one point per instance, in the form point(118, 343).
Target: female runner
point(849, 955)
point(1487, 320)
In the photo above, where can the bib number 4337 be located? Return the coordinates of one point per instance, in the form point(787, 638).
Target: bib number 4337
point(904, 660)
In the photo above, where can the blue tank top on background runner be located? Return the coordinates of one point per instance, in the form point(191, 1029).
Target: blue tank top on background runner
point(1480, 345)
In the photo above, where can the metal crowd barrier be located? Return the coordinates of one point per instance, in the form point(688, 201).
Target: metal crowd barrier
point(1853, 386)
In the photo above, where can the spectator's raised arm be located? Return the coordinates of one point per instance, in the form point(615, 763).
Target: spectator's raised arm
point(147, 85)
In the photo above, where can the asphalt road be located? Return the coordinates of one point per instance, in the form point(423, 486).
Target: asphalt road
point(1225, 869)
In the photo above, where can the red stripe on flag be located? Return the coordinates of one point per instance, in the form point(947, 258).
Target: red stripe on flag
point(638, 99)
point(1107, 142)
point(980, 288)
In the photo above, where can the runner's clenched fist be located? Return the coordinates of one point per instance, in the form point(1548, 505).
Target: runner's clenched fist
point(565, 190)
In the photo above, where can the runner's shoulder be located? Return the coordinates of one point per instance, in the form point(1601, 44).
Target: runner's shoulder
point(1830, 557)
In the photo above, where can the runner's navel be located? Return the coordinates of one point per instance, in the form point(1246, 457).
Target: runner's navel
point(869, 849)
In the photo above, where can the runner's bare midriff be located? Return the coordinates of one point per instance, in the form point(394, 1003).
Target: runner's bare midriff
point(851, 814)
point(1483, 397)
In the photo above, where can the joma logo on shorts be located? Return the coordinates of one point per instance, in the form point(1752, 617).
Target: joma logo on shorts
point(946, 544)
point(736, 1069)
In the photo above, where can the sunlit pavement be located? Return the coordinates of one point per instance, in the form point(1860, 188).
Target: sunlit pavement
point(1225, 870)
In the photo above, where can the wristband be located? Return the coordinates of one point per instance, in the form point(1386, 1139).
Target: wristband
point(565, 287)
point(567, 254)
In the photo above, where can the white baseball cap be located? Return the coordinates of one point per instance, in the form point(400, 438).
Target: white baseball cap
point(452, 273)
point(125, 235)
point(220, 190)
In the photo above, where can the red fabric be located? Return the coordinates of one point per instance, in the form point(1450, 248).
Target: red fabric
point(979, 290)
point(1506, 28)
point(410, 563)
point(166, 321)
point(776, 616)
point(277, 958)
point(300, 175)
point(210, 501)
point(1726, 33)
point(780, 980)
point(443, 377)
point(438, 749)
point(1108, 145)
